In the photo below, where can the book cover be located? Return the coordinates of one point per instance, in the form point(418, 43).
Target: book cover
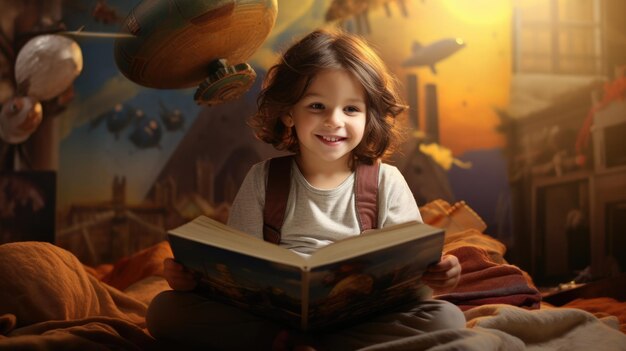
point(369, 283)
point(262, 287)
point(350, 280)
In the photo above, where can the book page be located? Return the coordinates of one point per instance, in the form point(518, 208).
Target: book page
point(371, 241)
point(210, 232)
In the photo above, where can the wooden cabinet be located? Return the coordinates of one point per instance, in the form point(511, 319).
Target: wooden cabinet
point(561, 230)
point(569, 217)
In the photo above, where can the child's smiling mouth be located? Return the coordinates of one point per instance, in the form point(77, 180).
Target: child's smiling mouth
point(331, 138)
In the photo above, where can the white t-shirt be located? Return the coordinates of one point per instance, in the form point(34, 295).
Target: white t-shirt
point(316, 217)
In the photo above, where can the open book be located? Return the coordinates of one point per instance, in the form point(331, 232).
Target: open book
point(346, 280)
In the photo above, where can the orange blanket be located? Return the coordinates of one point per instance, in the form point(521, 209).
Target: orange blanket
point(131, 269)
point(64, 306)
point(486, 282)
point(485, 277)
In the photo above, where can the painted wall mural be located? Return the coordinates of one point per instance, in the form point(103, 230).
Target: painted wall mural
point(156, 151)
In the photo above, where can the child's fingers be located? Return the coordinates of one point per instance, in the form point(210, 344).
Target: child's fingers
point(177, 276)
point(182, 281)
point(170, 264)
point(445, 274)
point(446, 263)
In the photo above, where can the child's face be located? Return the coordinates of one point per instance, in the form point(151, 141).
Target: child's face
point(330, 117)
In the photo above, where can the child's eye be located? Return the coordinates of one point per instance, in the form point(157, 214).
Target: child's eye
point(316, 106)
point(352, 109)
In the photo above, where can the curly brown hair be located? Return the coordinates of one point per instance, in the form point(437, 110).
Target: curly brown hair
point(287, 81)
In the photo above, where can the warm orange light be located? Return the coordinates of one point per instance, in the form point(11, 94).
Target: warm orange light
point(479, 12)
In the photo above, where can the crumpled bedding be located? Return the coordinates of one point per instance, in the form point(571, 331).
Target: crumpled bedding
point(486, 282)
point(602, 307)
point(50, 301)
point(487, 278)
point(506, 327)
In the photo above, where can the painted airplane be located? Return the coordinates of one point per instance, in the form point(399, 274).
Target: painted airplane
point(430, 54)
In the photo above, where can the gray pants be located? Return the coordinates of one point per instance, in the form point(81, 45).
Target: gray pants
point(192, 321)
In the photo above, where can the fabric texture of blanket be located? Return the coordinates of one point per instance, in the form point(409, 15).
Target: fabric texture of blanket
point(505, 327)
point(602, 307)
point(486, 282)
point(485, 277)
point(65, 307)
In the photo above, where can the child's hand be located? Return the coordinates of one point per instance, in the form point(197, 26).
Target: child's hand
point(443, 276)
point(177, 276)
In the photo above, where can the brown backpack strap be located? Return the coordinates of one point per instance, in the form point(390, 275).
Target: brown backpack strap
point(276, 195)
point(366, 195)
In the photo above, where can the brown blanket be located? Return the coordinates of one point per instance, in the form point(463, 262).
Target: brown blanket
point(485, 277)
point(486, 282)
point(65, 307)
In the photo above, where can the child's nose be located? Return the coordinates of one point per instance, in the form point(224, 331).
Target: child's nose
point(334, 119)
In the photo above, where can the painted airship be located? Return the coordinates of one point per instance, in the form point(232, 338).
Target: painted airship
point(117, 119)
point(184, 43)
point(431, 54)
point(147, 133)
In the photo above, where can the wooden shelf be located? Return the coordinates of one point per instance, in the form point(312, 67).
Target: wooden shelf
point(614, 287)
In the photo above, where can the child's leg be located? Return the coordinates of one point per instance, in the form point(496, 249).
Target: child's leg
point(426, 316)
point(196, 322)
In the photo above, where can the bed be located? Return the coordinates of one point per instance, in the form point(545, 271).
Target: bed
point(71, 306)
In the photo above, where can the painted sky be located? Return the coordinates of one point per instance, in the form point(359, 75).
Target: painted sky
point(471, 82)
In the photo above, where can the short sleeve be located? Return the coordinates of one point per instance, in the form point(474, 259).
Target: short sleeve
point(246, 212)
point(396, 202)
